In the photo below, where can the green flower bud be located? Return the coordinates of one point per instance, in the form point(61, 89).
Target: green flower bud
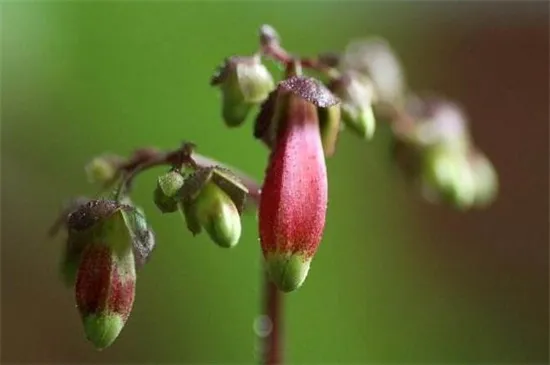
point(102, 169)
point(357, 94)
point(438, 122)
point(213, 198)
point(244, 82)
point(217, 214)
point(375, 59)
point(167, 190)
point(448, 177)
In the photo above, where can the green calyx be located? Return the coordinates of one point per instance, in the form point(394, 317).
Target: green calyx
point(214, 210)
point(287, 271)
point(360, 119)
point(357, 94)
point(166, 193)
point(234, 112)
point(102, 329)
point(244, 82)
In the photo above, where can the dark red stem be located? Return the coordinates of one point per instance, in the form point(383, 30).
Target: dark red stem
point(279, 54)
point(272, 343)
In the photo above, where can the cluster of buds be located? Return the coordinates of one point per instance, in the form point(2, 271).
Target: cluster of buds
point(299, 119)
point(107, 242)
point(436, 152)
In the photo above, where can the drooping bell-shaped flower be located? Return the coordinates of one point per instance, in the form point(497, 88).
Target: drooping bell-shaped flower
point(113, 240)
point(294, 194)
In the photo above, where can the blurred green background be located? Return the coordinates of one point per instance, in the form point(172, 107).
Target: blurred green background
point(395, 280)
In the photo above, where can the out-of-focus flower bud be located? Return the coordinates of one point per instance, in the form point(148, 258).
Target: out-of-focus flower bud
point(103, 168)
point(437, 121)
point(294, 195)
point(106, 276)
point(166, 193)
point(213, 199)
point(244, 82)
point(486, 179)
point(448, 177)
point(268, 35)
point(357, 95)
point(375, 59)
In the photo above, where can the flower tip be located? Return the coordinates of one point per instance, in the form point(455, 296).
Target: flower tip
point(102, 330)
point(288, 272)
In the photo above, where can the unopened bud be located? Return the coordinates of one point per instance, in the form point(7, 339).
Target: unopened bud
point(106, 276)
point(268, 35)
point(105, 291)
point(294, 196)
point(437, 122)
point(244, 82)
point(448, 177)
point(167, 190)
point(357, 94)
point(102, 168)
point(217, 214)
point(375, 59)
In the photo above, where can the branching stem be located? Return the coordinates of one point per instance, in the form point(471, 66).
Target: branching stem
point(147, 158)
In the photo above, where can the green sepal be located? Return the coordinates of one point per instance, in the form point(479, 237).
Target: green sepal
point(191, 220)
point(359, 119)
point(329, 125)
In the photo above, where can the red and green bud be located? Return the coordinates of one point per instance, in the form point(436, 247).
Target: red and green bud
point(109, 241)
point(105, 291)
point(244, 82)
point(294, 194)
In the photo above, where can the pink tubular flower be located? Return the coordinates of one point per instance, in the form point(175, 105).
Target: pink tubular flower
point(294, 194)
